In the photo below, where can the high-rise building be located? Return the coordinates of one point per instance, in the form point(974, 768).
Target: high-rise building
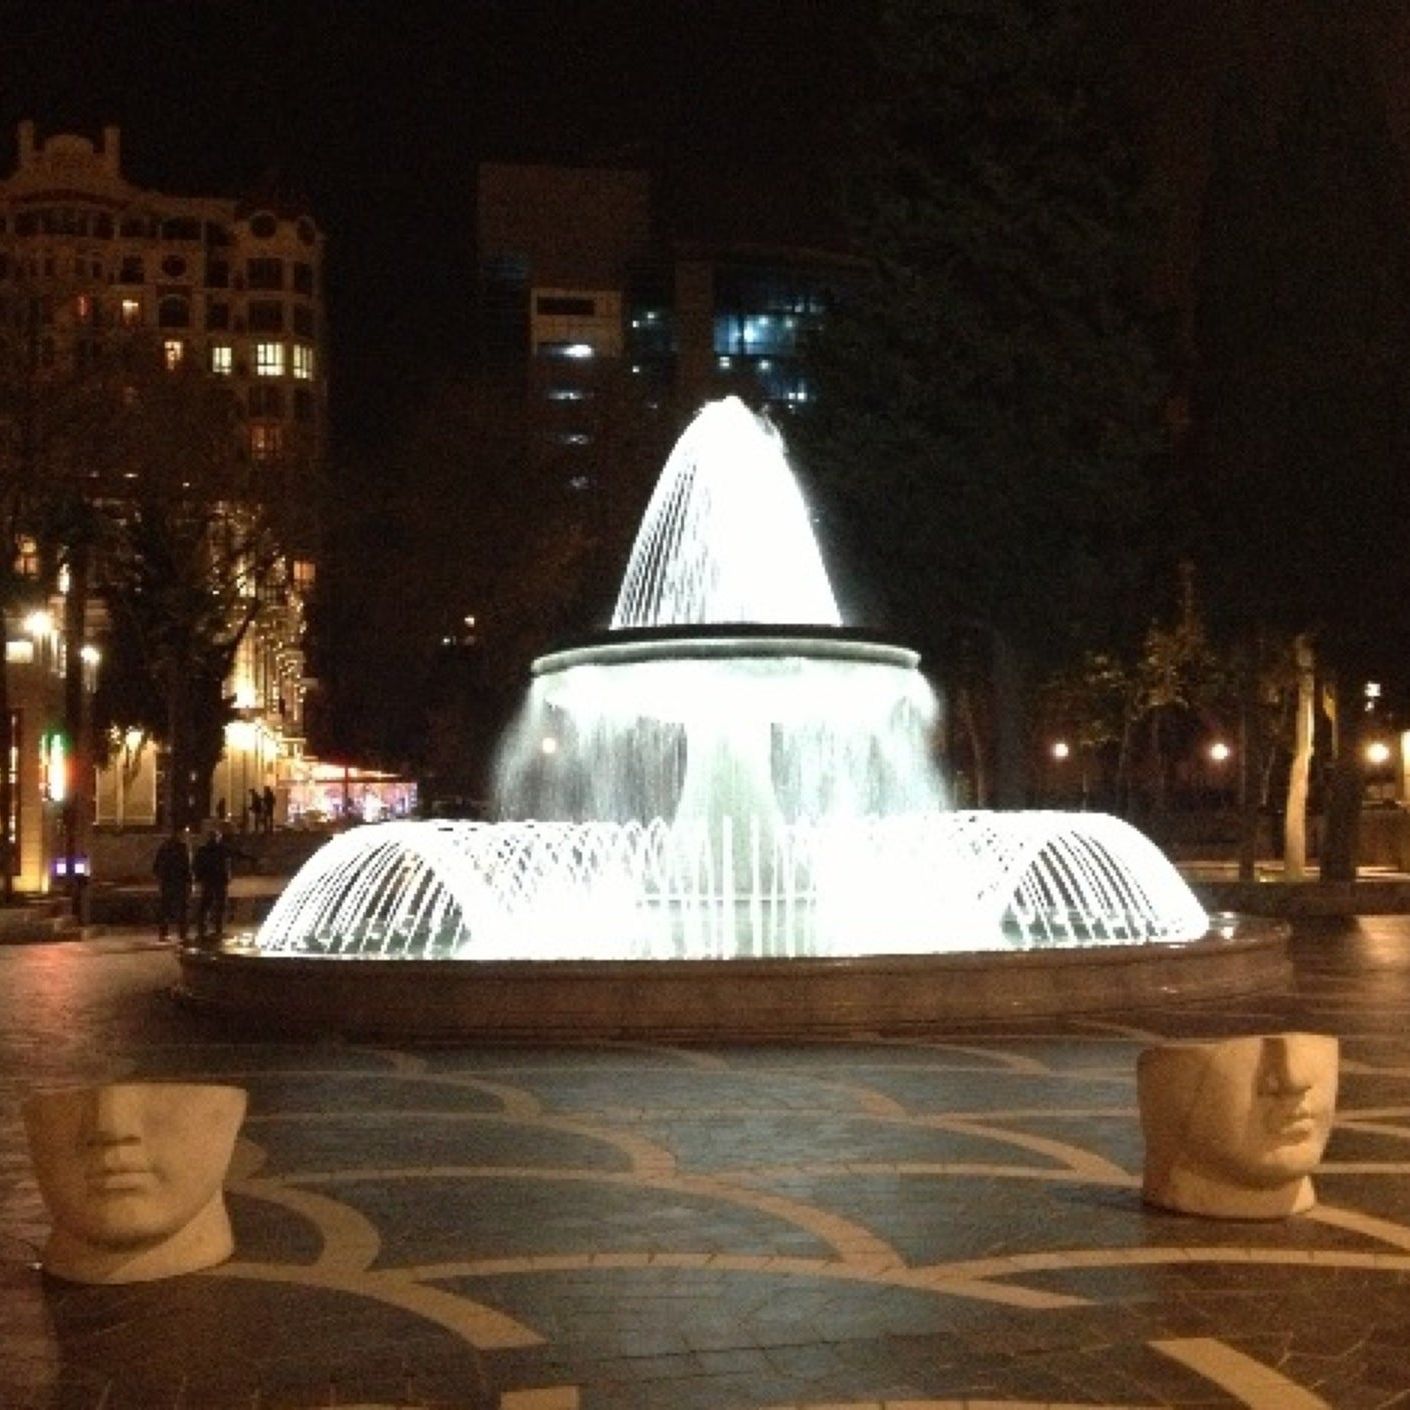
point(234, 287)
point(579, 266)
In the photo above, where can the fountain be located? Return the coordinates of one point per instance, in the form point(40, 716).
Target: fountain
point(723, 816)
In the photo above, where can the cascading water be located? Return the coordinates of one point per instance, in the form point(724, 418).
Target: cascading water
point(728, 773)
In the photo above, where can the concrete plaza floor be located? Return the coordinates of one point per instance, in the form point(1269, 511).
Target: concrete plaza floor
point(922, 1224)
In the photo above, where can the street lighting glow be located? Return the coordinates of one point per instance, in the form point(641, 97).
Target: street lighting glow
point(549, 745)
point(1219, 751)
point(1378, 752)
point(39, 623)
point(1061, 749)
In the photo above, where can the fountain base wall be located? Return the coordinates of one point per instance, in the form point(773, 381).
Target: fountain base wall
point(506, 1001)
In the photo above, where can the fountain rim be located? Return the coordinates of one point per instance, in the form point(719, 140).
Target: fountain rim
point(725, 641)
point(753, 999)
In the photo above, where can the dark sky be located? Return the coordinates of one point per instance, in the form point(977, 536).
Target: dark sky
point(376, 113)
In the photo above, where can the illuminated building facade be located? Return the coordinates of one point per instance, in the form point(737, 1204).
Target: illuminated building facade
point(235, 286)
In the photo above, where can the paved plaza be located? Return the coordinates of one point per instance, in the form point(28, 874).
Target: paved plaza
point(930, 1224)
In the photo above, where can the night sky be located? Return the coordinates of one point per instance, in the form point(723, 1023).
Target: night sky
point(376, 113)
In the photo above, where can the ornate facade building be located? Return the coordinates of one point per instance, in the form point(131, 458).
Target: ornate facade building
point(234, 287)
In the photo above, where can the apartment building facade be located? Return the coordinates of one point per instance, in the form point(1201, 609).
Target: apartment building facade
point(233, 287)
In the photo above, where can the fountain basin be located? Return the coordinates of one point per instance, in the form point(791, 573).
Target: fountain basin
point(724, 1000)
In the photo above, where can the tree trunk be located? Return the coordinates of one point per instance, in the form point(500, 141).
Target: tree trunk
point(77, 813)
point(969, 723)
point(1345, 792)
point(1250, 793)
point(8, 840)
point(1295, 819)
point(1011, 726)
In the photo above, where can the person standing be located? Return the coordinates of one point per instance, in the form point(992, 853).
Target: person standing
point(211, 866)
point(172, 868)
point(269, 805)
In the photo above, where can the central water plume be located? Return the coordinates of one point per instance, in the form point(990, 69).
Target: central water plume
point(726, 536)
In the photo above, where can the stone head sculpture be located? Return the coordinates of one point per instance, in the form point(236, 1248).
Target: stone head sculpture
point(132, 1177)
point(1234, 1128)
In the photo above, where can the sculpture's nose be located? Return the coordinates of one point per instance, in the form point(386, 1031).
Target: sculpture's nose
point(113, 1116)
point(1289, 1068)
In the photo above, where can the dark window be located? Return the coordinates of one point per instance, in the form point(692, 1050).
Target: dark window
point(217, 315)
point(173, 266)
point(174, 312)
point(303, 277)
point(263, 226)
point(181, 229)
point(266, 316)
point(103, 227)
point(132, 270)
point(216, 234)
point(566, 304)
point(303, 404)
point(26, 223)
point(303, 320)
point(135, 228)
point(266, 399)
point(217, 274)
point(265, 273)
point(306, 231)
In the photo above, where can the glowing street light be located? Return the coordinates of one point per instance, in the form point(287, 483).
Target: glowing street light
point(1377, 753)
point(1061, 750)
point(1219, 752)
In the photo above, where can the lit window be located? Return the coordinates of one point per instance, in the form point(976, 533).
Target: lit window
point(269, 359)
point(303, 362)
point(83, 308)
point(266, 441)
point(27, 557)
point(131, 312)
point(173, 351)
point(222, 359)
point(304, 574)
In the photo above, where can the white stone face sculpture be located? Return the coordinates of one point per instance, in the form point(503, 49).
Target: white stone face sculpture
point(131, 1174)
point(1235, 1128)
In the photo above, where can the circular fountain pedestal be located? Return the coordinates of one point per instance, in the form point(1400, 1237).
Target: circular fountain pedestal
point(727, 999)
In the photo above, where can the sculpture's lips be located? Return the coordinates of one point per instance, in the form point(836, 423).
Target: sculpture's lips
point(116, 1179)
point(1298, 1129)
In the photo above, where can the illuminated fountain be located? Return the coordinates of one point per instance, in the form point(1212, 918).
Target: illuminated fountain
point(723, 815)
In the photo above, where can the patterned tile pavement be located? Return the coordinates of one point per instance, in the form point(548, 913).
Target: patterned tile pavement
point(923, 1225)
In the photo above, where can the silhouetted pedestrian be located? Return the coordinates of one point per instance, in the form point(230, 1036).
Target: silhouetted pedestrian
point(172, 868)
point(211, 866)
point(269, 802)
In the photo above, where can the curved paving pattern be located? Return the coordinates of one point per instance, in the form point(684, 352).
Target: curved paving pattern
point(920, 1225)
